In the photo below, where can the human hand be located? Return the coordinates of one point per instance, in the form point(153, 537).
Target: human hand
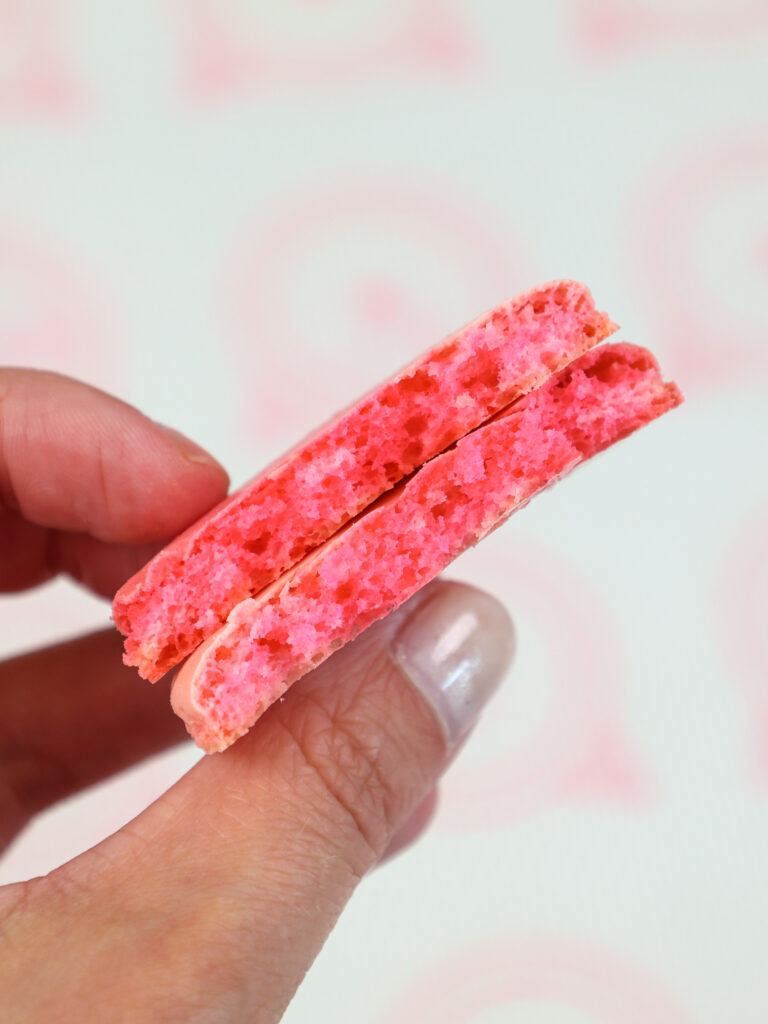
point(211, 904)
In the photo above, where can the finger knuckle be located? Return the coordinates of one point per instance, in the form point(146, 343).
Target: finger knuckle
point(347, 763)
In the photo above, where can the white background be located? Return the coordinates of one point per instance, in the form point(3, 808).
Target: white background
point(239, 215)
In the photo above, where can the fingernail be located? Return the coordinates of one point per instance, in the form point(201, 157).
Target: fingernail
point(192, 452)
point(455, 647)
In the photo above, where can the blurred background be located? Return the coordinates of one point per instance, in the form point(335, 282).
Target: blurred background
point(238, 214)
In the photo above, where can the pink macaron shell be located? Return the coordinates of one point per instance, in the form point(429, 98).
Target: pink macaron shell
point(186, 591)
point(410, 535)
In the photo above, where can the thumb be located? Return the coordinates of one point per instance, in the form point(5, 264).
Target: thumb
point(218, 897)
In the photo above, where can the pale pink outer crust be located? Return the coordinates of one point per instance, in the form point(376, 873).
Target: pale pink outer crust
point(410, 535)
point(185, 592)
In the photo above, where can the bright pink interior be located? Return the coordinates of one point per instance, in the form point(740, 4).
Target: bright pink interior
point(185, 593)
point(398, 546)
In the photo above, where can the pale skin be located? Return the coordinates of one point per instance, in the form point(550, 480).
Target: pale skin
point(212, 904)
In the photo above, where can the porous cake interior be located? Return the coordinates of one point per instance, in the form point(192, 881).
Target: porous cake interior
point(185, 596)
point(397, 546)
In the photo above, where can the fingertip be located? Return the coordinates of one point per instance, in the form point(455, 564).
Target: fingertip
point(156, 483)
point(192, 451)
point(76, 459)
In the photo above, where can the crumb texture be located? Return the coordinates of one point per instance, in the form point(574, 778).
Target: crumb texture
point(408, 538)
point(187, 590)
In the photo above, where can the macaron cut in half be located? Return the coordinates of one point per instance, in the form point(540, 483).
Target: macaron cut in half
point(373, 505)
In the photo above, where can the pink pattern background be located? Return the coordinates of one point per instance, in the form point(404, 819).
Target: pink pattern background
point(713, 331)
point(280, 204)
point(243, 47)
point(54, 311)
point(38, 72)
point(401, 260)
point(741, 599)
point(618, 29)
point(580, 749)
point(529, 970)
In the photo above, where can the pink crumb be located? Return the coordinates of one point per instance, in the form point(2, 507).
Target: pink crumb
point(411, 535)
point(185, 593)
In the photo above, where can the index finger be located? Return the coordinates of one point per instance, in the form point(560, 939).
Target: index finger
point(74, 458)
